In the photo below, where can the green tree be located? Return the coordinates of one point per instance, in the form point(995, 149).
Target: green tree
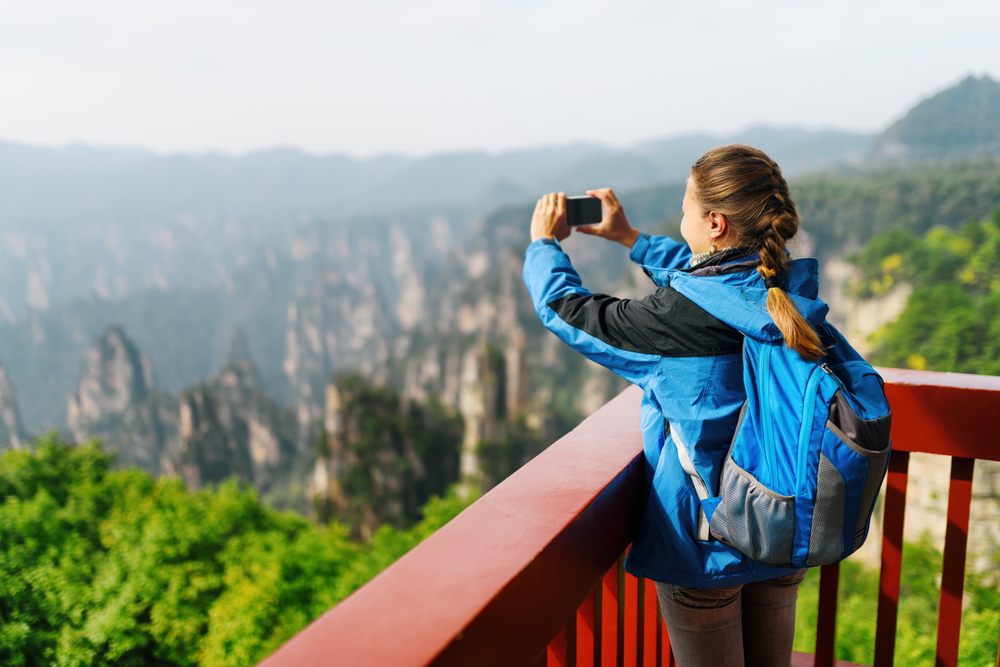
point(117, 568)
point(951, 321)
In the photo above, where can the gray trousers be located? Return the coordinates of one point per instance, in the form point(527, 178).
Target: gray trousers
point(747, 625)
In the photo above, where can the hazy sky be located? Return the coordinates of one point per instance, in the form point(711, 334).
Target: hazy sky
point(436, 75)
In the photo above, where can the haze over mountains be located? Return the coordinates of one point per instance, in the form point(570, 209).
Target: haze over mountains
point(405, 271)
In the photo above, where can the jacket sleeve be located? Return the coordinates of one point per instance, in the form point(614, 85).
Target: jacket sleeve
point(595, 325)
point(661, 252)
point(628, 336)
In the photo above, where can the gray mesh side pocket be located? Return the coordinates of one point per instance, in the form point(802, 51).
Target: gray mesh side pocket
point(754, 519)
point(826, 538)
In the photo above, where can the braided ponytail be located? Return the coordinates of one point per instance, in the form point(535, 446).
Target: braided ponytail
point(747, 187)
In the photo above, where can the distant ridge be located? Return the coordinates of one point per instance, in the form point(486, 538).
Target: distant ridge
point(45, 187)
point(959, 123)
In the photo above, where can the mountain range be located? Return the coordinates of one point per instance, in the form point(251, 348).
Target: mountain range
point(194, 310)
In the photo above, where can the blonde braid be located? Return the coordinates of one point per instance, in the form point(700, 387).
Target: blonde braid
point(747, 186)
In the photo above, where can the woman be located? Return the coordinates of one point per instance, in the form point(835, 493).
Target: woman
point(721, 607)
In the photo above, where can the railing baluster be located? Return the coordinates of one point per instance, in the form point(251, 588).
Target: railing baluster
point(586, 630)
point(632, 618)
point(599, 623)
point(826, 623)
point(659, 639)
point(640, 621)
point(892, 557)
point(620, 626)
point(953, 570)
point(609, 619)
point(557, 649)
point(649, 620)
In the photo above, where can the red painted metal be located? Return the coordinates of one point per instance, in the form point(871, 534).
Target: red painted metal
point(630, 620)
point(556, 653)
point(620, 621)
point(609, 618)
point(585, 632)
point(953, 571)
point(826, 624)
point(892, 557)
point(944, 413)
point(649, 624)
point(640, 622)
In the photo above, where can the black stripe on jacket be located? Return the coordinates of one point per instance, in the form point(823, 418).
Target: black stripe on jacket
point(666, 323)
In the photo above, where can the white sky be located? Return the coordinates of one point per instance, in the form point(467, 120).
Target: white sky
point(374, 76)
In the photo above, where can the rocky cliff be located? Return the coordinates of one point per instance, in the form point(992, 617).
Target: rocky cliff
point(229, 427)
point(224, 426)
point(12, 433)
point(116, 401)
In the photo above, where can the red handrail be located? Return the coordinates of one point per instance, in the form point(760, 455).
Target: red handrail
point(521, 577)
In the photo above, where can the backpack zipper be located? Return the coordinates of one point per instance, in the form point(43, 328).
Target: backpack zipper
point(812, 389)
point(765, 400)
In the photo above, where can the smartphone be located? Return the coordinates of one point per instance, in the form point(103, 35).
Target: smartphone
point(583, 210)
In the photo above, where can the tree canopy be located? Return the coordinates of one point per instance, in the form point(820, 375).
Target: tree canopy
point(952, 319)
point(118, 568)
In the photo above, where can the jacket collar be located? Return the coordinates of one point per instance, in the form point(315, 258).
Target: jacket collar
point(733, 291)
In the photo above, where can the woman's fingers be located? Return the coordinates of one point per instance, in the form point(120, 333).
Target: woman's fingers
point(549, 218)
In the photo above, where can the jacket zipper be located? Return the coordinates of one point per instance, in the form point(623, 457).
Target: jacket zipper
point(812, 389)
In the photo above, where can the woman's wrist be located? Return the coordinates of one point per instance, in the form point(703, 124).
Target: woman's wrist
point(630, 237)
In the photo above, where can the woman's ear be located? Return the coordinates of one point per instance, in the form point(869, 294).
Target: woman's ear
point(718, 225)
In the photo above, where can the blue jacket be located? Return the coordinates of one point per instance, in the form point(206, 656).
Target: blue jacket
point(687, 358)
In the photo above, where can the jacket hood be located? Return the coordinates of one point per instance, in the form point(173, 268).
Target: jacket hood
point(738, 297)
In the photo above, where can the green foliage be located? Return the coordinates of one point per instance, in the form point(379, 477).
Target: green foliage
point(842, 208)
point(116, 568)
point(916, 632)
point(952, 319)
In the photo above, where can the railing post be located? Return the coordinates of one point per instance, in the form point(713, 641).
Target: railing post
point(892, 558)
point(607, 656)
point(586, 630)
point(953, 570)
point(650, 635)
point(622, 612)
point(640, 621)
point(826, 623)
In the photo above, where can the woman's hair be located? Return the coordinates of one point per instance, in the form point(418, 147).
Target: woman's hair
point(747, 187)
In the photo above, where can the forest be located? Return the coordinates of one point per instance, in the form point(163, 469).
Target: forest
point(114, 567)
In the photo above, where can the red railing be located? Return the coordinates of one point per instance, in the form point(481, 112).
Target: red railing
point(522, 576)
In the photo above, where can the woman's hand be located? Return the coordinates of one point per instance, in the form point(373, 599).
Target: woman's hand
point(615, 226)
point(549, 219)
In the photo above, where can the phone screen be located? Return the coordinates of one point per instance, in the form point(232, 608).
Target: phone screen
point(583, 211)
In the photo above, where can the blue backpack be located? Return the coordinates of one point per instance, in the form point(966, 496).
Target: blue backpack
point(807, 461)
